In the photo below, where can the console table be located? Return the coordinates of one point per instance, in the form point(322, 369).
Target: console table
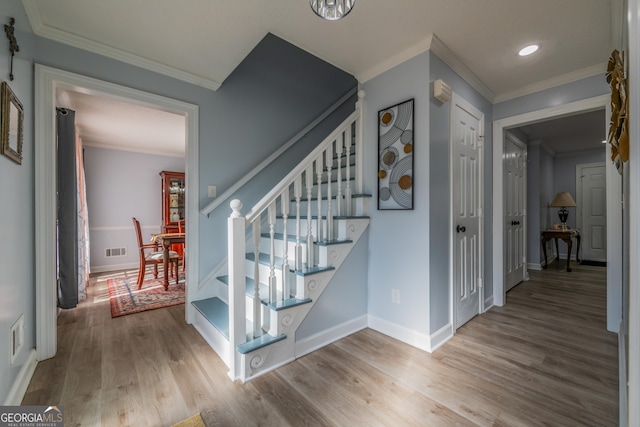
point(567, 236)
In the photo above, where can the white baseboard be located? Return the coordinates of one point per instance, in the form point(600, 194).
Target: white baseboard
point(440, 337)
point(623, 376)
point(401, 333)
point(488, 303)
point(113, 267)
point(326, 337)
point(19, 387)
point(534, 266)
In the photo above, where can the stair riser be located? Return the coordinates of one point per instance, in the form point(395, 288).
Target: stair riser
point(279, 244)
point(265, 270)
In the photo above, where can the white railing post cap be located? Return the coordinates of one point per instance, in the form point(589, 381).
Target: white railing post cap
point(236, 205)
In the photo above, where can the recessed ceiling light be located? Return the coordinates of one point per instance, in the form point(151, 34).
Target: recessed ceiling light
point(528, 50)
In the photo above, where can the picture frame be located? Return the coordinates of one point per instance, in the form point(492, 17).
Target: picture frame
point(395, 156)
point(11, 124)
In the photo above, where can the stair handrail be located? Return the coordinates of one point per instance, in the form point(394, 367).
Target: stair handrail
point(314, 167)
point(286, 182)
point(207, 210)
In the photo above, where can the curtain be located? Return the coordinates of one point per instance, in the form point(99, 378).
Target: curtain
point(83, 223)
point(72, 251)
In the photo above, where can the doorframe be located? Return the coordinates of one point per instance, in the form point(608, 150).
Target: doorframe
point(47, 81)
point(614, 210)
point(459, 100)
point(579, 168)
point(525, 178)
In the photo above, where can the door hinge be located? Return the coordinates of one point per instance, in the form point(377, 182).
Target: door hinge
point(480, 140)
point(480, 284)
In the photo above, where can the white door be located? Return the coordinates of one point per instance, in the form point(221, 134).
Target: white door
point(466, 170)
point(514, 211)
point(591, 211)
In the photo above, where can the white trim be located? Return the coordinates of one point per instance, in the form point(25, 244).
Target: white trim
point(20, 384)
point(441, 336)
point(574, 76)
point(310, 344)
point(534, 266)
point(131, 149)
point(40, 29)
point(488, 303)
point(449, 58)
point(114, 267)
point(401, 333)
point(499, 126)
point(633, 11)
point(47, 81)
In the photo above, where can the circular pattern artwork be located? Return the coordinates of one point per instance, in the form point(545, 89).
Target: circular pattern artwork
point(395, 157)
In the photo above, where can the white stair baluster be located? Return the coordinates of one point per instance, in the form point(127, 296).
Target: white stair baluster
point(308, 180)
point(339, 151)
point(273, 287)
point(329, 162)
point(284, 208)
point(257, 317)
point(297, 194)
point(347, 192)
point(319, 170)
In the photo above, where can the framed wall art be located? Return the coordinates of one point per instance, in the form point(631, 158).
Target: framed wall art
point(395, 156)
point(11, 124)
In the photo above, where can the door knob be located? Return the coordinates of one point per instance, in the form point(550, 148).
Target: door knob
point(460, 229)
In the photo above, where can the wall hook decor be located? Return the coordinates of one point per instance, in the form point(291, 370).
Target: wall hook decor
point(13, 43)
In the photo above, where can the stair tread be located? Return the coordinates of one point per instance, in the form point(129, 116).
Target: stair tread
point(333, 242)
point(249, 284)
point(259, 343)
point(216, 312)
point(265, 259)
point(334, 217)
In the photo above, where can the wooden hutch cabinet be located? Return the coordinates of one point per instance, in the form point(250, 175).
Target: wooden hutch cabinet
point(173, 200)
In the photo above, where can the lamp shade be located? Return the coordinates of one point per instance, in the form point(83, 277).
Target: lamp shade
point(563, 200)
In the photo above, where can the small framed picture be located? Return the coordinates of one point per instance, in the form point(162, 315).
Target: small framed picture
point(11, 124)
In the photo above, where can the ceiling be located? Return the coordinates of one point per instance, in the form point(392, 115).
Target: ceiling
point(202, 41)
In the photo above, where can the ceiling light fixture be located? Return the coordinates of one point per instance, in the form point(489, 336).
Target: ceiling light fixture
point(528, 50)
point(332, 10)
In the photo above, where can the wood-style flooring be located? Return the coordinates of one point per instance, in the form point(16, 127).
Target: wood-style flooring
point(544, 359)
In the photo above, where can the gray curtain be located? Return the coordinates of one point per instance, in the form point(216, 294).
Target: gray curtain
point(67, 210)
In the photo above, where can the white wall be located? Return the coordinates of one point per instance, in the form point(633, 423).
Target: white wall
point(121, 185)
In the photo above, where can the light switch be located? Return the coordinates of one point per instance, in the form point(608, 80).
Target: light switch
point(212, 191)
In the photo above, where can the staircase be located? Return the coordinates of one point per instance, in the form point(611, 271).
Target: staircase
point(284, 252)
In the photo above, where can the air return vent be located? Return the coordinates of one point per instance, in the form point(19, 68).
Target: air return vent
point(113, 252)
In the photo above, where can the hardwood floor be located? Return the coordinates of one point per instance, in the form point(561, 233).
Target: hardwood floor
point(545, 359)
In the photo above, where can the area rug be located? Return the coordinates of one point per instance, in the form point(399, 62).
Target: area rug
point(195, 421)
point(125, 298)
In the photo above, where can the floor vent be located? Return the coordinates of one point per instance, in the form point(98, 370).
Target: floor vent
point(111, 252)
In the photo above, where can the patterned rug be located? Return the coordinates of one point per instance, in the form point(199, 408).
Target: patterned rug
point(125, 298)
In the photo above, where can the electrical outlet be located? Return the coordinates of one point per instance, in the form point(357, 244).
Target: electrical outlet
point(395, 296)
point(213, 192)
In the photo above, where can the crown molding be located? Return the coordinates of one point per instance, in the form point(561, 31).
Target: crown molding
point(40, 29)
point(397, 59)
point(456, 65)
point(574, 76)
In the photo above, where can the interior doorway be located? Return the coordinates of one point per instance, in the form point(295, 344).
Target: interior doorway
point(614, 254)
point(47, 81)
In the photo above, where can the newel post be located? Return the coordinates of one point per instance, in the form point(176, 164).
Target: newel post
point(237, 279)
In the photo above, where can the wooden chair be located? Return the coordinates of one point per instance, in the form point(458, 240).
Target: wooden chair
point(154, 257)
point(183, 258)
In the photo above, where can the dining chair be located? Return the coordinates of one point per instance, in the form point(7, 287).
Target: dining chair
point(183, 257)
point(151, 254)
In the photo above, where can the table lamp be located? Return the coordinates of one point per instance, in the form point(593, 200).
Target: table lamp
point(563, 200)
